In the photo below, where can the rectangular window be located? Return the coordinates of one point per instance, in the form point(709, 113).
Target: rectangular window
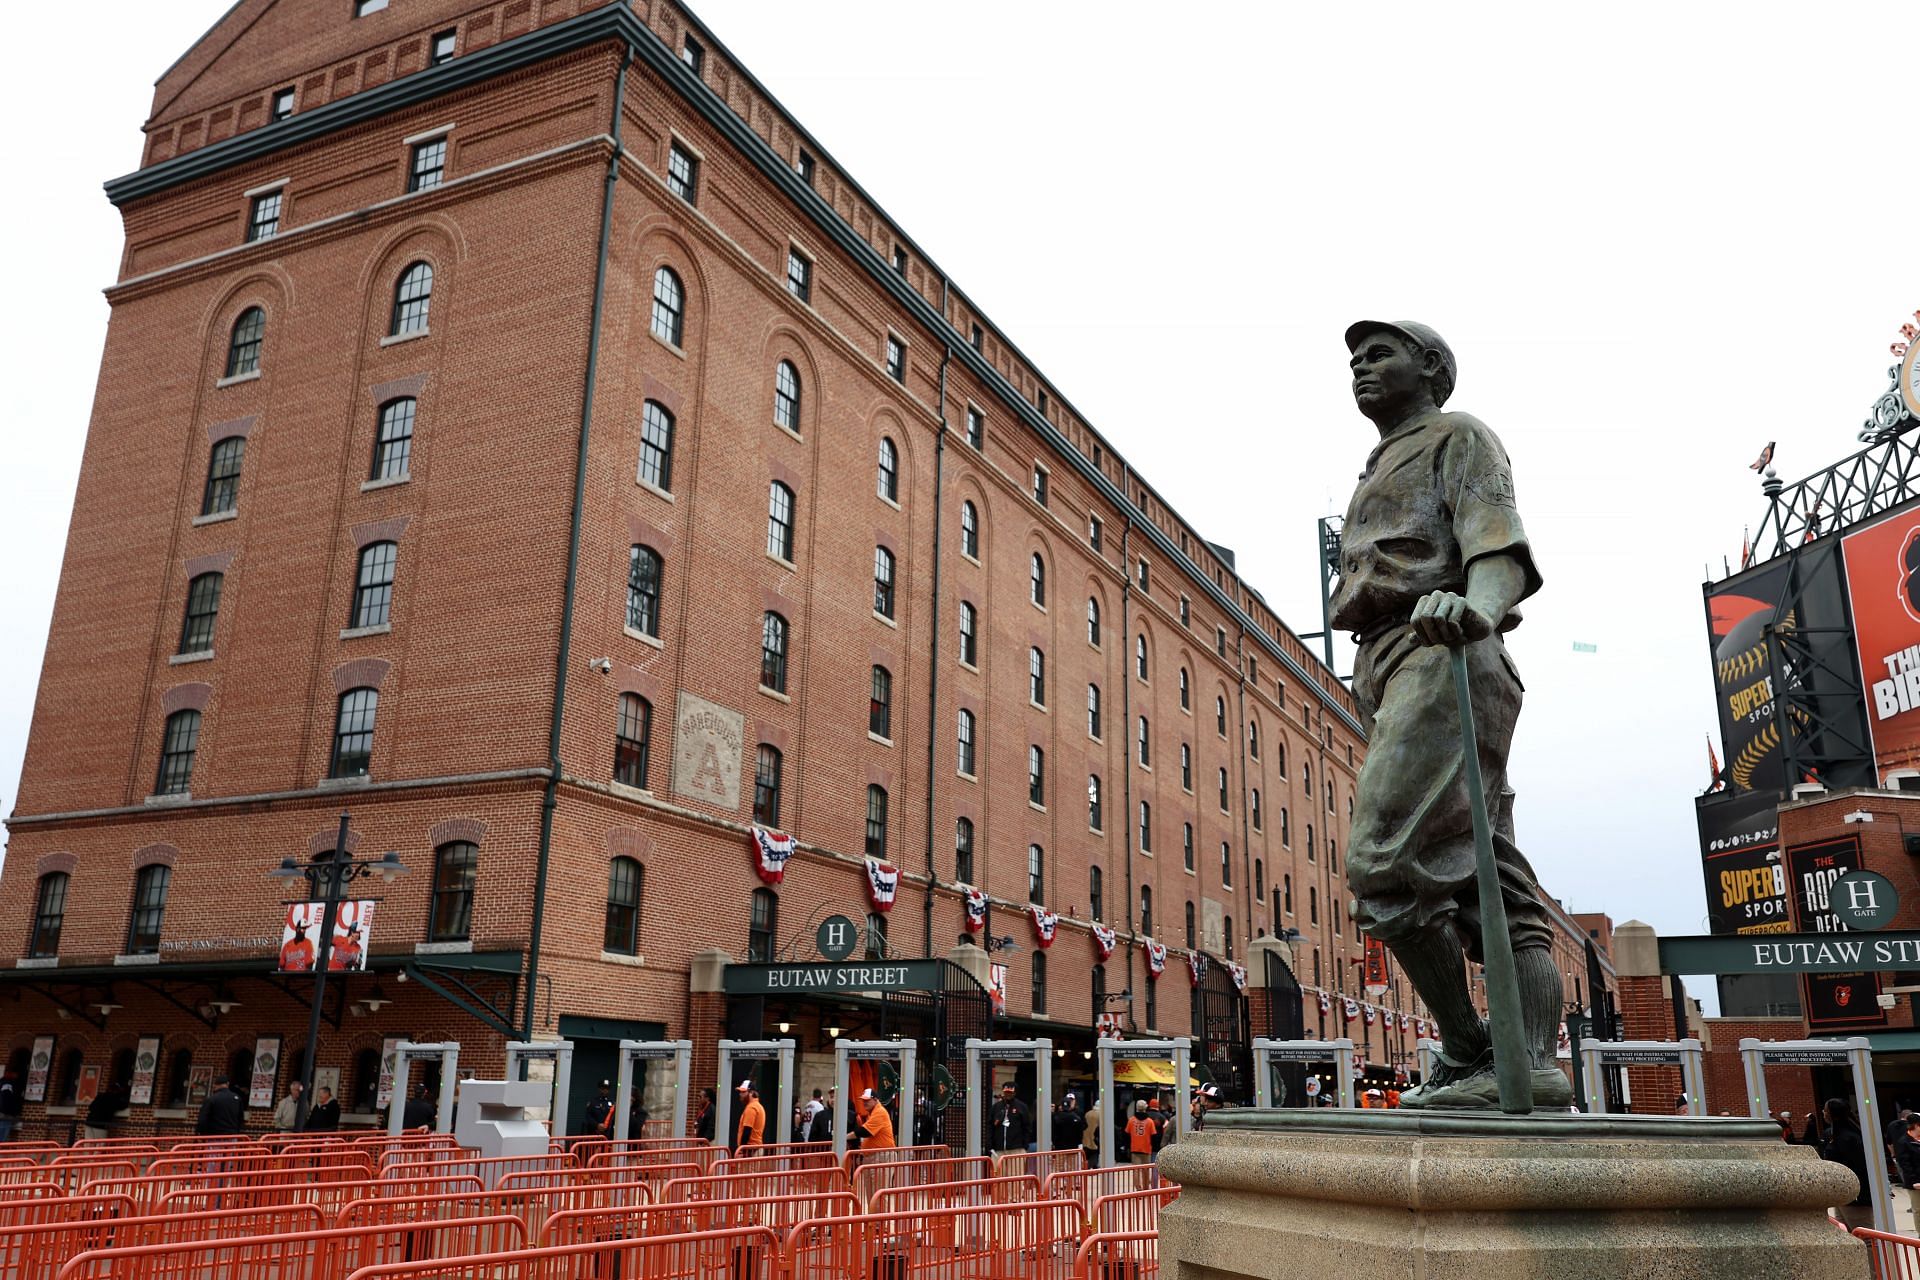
point(1186, 845)
point(899, 259)
point(896, 358)
point(976, 428)
point(683, 173)
point(1036, 874)
point(766, 786)
point(979, 337)
point(443, 42)
point(1036, 776)
point(1040, 484)
point(799, 276)
point(761, 926)
point(803, 165)
point(361, 8)
point(1140, 573)
point(263, 216)
point(632, 741)
point(1043, 402)
point(876, 822)
point(1039, 983)
point(1186, 612)
point(428, 168)
point(1226, 865)
point(282, 105)
point(969, 639)
point(1093, 531)
point(149, 908)
point(693, 55)
point(1220, 641)
point(965, 741)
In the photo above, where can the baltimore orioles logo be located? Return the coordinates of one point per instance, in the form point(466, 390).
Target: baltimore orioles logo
point(1909, 589)
point(1843, 996)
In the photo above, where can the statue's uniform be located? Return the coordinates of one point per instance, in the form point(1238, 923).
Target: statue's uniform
point(1437, 495)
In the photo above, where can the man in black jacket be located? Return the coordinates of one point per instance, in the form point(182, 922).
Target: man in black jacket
point(420, 1112)
point(1068, 1124)
point(325, 1115)
point(104, 1111)
point(703, 1123)
point(11, 1103)
point(1012, 1123)
point(222, 1112)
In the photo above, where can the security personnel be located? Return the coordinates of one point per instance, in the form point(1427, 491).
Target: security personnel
point(600, 1111)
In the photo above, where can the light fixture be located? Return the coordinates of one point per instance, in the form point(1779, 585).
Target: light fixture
point(784, 1027)
point(106, 1008)
point(1059, 1053)
point(222, 1001)
point(390, 868)
point(1086, 1053)
point(376, 999)
point(1858, 815)
point(287, 870)
point(833, 1033)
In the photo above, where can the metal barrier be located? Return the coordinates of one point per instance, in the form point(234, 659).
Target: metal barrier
point(1085, 1186)
point(742, 1253)
point(29, 1252)
point(330, 1196)
point(310, 1255)
point(869, 1179)
point(795, 1183)
point(1033, 1241)
point(1020, 1189)
point(880, 1155)
point(775, 1164)
point(1130, 1211)
point(1041, 1164)
point(1112, 1255)
point(625, 1167)
point(1892, 1257)
point(70, 1176)
point(58, 1208)
point(779, 1213)
point(532, 1205)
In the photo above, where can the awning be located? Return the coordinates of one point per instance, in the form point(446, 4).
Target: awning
point(1141, 1071)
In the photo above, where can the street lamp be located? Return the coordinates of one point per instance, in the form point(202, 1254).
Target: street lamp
point(327, 878)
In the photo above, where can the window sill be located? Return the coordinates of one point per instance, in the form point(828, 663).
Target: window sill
point(972, 560)
point(652, 488)
point(889, 501)
point(170, 1113)
point(1037, 808)
point(460, 948)
point(181, 659)
point(1145, 767)
point(969, 666)
point(874, 737)
point(171, 797)
point(343, 784)
point(1146, 853)
point(237, 379)
point(37, 962)
point(785, 431)
point(881, 617)
point(788, 565)
point(964, 776)
point(775, 694)
point(395, 339)
point(1190, 871)
point(615, 957)
point(377, 629)
point(1094, 737)
point(215, 517)
point(1187, 789)
point(644, 638)
point(53, 1111)
point(1037, 706)
point(681, 352)
point(621, 788)
point(1042, 608)
point(150, 957)
point(368, 486)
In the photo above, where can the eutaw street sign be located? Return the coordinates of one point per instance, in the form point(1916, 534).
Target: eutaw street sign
point(1790, 953)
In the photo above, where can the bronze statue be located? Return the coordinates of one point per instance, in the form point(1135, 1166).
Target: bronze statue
point(1433, 558)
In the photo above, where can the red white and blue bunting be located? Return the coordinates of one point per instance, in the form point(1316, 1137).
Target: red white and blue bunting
point(1104, 939)
point(1371, 1012)
point(771, 849)
point(1044, 924)
point(1197, 967)
point(883, 881)
point(976, 910)
point(1156, 959)
point(1350, 1009)
point(1326, 1003)
point(1238, 972)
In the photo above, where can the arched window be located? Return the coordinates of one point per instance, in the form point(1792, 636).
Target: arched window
point(49, 914)
point(763, 925)
point(1094, 821)
point(203, 607)
point(1037, 580)
point(1144, 740)
point(876, 822)
point(669, 307)
point(1140, 656)
point(773, 653)
point(455, 867)
point(656, 446)
point(179, 1075)
point(373, 585)
point(1036, 874)
point(149, 909)
point(969, 531)
point(1146, 827)
point(883, 582)
point(889, 477)
point(243, 345)
point(412, 297)
point(1191, 939)
point(622, 935)
point(1186, 693)
point(880, 706)
point(1306, 780)
point(1220, 716)
point(969, 634)
point(223, 476)
point(1329, 795)
point(1313, 905)
point(1309, 842)
point(767, 765)
point(786, 396)
point(1039, 982)
point(178, 742)
point(1093, 711)
point(353, 733)
point(633, 741)
point(876, 936)
point(393, 441)
point(1036, 775)
point(1037, 676)
point(1093, 622)
point(643, 590)
point(1146, 913)
point(1253, 739)
point(966, 742)
point(963, 850)
point(780, 522)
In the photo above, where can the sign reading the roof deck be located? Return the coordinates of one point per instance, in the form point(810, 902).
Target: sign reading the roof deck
point(1791, 953)
point(828, 979)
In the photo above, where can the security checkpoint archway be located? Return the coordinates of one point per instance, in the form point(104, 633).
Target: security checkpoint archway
point(404, 1053)
point(1685, 1054)
point(1854, 1052)
point(560, 1054)
point(1267, 1052)
point(1426, 1055)
point(1040, 1054)
point(680, 1052)
point(780, 1112)
point(1108, 1050)
point(845, 1051)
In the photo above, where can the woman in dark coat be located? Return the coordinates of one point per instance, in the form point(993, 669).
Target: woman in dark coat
point(1844, 1146)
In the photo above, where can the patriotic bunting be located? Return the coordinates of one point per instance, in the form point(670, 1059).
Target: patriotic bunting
point(883, 881)
point(1369, 1014)
point(1044, 923)
point(771, 849)
point(976, 910)
point(1156, 958)
point(1238, 972)
point(1197, 967)
point(1350, 1009)
point(1104, 938)
point(1326, 1003)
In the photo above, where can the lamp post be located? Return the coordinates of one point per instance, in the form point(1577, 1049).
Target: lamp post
point(327, 879)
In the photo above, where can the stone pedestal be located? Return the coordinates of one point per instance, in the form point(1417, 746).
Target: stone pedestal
point(1407, 1195)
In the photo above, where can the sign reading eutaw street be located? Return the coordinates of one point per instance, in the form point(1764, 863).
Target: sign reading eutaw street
point(800, 979)
point(1791, 953)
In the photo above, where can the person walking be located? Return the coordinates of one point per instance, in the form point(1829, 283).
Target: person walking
point(104, 1111)
point(703, 1123)
point(1090, 1135)
point(1844, 1146)
point(809, 1113)
point(874, 1123)
point(286, 1116)
point(1067, 1124)
point(1012, 1123)
point(325, 1114)
point(1142, 1133)
point(420, 1111)
point(222, 1112)
point(12, 1101)
point(752, 1128)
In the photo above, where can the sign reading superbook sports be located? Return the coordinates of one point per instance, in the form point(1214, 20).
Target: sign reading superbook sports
point(1883, 581)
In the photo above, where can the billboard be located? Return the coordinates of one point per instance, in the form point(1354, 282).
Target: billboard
point(1832, 1001)
point(1883, 584)
point(300, 936)
point(1740, 854)
point(1739, 611)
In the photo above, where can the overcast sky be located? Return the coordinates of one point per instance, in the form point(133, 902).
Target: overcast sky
point(1657, 236)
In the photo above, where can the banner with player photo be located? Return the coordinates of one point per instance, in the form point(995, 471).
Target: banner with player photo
point(146, 1062)
point(1883, 585)
point(300, 936)
point(266, 1072)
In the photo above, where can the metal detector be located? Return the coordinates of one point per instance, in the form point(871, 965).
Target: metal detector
point(1038, 1052)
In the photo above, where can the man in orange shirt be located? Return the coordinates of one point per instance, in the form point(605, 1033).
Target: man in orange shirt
point(876, 1126)
point(1141, 1130)
point(753, 1118)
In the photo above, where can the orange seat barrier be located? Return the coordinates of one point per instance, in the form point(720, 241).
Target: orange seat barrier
point(877, 1155)
point(743, 1253)
point(30, 1252)
point(1039, 1163)
point(1021, 1189)
point(1031, 1241)
point(1126, 1212)
point(53, 1207)
point(1084, 1186)
point(796, 1183)
point(1110, 1255)
point(778, 1213)
point(308, 1255)
point(869, 1179)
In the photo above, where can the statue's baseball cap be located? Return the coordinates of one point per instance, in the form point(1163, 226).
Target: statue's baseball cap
point(1419, 335)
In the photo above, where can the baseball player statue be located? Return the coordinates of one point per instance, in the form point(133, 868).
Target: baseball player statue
point(1433, 559)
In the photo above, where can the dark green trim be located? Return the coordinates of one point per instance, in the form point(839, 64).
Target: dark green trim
point(1791, 952)
point(574, 1027)
point(489, 962)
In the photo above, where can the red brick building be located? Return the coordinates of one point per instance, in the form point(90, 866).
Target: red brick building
point(516, 431)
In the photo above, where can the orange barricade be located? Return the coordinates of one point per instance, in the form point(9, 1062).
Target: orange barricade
point(878, 1155)
point(148, 1189)
point(70, 1175)
point(757, 1163)
point(779, 1213)
point(1084, 1186)
point(1032, 1241)
point(1021, 1189)
point(310, 1255)
point(744, 1253)
point(798, 1182)
point(654, 1175)
point(30, 1190)
point(1038, 1163)
point(489, 1169)
point(53, 1207)
point(1891, 1257)
point(330, 1196)
point(1106, 1255)
point(1126, 1212)
point(533, 1206)
point(871, 1178)
point(340, 1157)
point(391, 1187)
point(30, 1252)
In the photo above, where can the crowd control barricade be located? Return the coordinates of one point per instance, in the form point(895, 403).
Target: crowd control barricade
point(33, 1252)
point(797, 1182)
point(309, 1255)
point(871, 1178)
point(1041, 1164)
point(779, 1213)
point(1891, 1257)
point(1085, 1186)
point(1040, 1054)
point(331, 1197)
point(652, 1175)
point(1110, 1256)
point(532, 1205)
point(435, 1186)
point(742, 1253)
point(1032, 1241)
point(855, 1160)
point(57, 1208)
point(735, 1165)
point(1127, 1211)
point(71, 1175)
point(1020, 1189)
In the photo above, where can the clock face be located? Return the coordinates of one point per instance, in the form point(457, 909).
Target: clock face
point(1910, 380)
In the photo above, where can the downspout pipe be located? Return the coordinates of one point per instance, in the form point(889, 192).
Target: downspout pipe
point(551, 799)
point(1246, 787)
point(933, 645)
point(1126, 769)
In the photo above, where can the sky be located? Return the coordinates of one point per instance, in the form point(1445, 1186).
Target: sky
point(1656, 236)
